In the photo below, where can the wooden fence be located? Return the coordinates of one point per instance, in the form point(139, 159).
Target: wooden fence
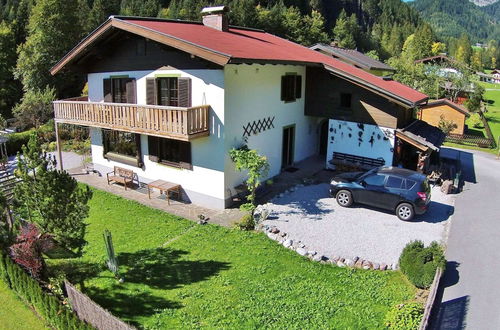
point(473, 140)
point(90, 312)
point(431, 299)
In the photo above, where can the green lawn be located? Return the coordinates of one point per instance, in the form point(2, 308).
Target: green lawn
point(183, 275)
point(14, 314)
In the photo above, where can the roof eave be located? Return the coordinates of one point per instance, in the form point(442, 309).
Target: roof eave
point(113, 22)
point(395, 97)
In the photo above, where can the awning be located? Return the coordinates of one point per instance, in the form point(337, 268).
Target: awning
point(422, 135)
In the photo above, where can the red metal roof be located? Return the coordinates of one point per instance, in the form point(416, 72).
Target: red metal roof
point(247, 44)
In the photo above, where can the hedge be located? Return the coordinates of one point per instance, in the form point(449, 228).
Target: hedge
point(419, 263)
point(16, 141)
point(46, 305)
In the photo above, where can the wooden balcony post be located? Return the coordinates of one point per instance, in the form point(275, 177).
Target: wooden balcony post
point(58, 143)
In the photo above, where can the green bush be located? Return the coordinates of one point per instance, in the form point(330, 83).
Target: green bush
point(16, 141)
point(419, 263)
point(475, 121)
point(46, 305)
point(404, 316)
point(246, 222)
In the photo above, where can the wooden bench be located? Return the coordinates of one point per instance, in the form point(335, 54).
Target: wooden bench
point(122, 175)
point(365, 163)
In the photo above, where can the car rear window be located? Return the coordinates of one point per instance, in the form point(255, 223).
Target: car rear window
point(410, 184)
point(394, 182)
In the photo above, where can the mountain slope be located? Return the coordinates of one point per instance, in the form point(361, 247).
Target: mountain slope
point(451, 18)
point(483, 2)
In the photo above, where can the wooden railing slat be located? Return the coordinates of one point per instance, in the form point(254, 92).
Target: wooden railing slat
point(173, 122)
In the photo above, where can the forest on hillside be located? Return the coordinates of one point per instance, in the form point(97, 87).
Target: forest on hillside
point(35, 34)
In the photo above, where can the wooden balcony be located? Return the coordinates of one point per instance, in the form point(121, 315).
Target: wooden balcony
point(170, 122)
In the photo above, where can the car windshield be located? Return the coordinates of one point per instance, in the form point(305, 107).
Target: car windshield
point(362, 176)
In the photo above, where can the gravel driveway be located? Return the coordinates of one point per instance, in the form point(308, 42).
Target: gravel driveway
point(308, 214)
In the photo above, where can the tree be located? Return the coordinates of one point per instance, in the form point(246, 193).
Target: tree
point(101, 10)
point(146, 8)
point(50, 199)
point(35, 108)
point(446, 125)
point(9, 88)
point(257, 167)
point(28, 248)
point(473, 103)
point(464, 49)
point(53, 30)
point(346, 30)
point(438, 47)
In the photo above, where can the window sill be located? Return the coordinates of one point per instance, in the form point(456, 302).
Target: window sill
point(179, 166)
point(124, 159)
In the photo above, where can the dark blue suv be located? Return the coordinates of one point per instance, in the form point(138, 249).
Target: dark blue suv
point(396, 189)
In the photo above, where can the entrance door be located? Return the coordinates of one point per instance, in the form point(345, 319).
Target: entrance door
point(288, 146)
point(323, 138)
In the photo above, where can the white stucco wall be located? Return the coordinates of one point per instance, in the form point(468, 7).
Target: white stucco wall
point(253, 92)
point(204, 184)
point(361, 140)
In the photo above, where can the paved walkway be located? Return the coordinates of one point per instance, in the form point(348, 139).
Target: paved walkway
point(470, 288)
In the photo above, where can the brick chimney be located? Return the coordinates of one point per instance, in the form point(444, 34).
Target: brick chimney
point(216, 18)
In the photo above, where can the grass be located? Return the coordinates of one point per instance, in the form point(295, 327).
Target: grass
point(14, 314)
point(182, 275)
point(492, 99)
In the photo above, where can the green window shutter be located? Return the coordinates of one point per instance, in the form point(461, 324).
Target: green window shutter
point(151, 97)
point(184, 85)
point(108, 97)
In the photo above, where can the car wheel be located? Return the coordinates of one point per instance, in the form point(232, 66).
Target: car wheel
point(405, 212)
point(344, 198)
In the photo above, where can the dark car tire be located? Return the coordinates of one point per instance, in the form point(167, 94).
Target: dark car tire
point(405, 212)
point(344, 198)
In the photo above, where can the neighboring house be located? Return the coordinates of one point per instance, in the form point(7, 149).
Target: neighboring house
point(169, 99)
point(493, 78)
point(355, 58)
point(496, 75)
point(446, 109)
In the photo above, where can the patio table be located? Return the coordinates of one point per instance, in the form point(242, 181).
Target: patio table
point(165, 186)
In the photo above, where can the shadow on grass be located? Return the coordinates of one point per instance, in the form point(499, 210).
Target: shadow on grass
point(162, 268)
point(130, 304)
point(76, 271)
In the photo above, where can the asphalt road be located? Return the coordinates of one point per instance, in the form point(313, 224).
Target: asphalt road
point(470, 290)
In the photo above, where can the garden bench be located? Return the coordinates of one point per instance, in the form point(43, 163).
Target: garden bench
point(122, 175)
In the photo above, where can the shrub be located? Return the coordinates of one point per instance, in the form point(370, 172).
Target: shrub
point(16, 141)
point(404, 316)
point(419, 263)
point(46, 305)
point(475, 121)
point(246, 222)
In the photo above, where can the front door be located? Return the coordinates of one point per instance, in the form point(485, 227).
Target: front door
point(288, 146)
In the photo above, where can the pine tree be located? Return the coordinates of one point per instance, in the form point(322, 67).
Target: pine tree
point(49, 198)
point(464, 49)
point(9, 88)
point(346, 30)
point(53, 30)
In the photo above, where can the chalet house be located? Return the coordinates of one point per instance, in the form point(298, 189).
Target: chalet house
point(169, 99)
point(446, 109)
point(355, 58)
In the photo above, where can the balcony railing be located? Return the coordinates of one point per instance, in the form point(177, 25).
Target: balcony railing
point(172, 122)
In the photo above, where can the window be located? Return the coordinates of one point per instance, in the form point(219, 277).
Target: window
point(167, 91)
point(119, 90)
point(291, 87)
point(122, 147)
point(170, 152)
point(375, 180)
point(345, 100)
point(394, 182)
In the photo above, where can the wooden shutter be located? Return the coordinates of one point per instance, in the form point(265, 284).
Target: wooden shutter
point(139, 150)
point(131, 91)
point(151, 96)
point(106, 87)
point(283, 88)
point(298, 87)
point(184, 85)
point(185, 155)
point(153, 146)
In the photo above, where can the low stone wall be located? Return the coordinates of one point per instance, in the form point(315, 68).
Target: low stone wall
point(295, 245)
